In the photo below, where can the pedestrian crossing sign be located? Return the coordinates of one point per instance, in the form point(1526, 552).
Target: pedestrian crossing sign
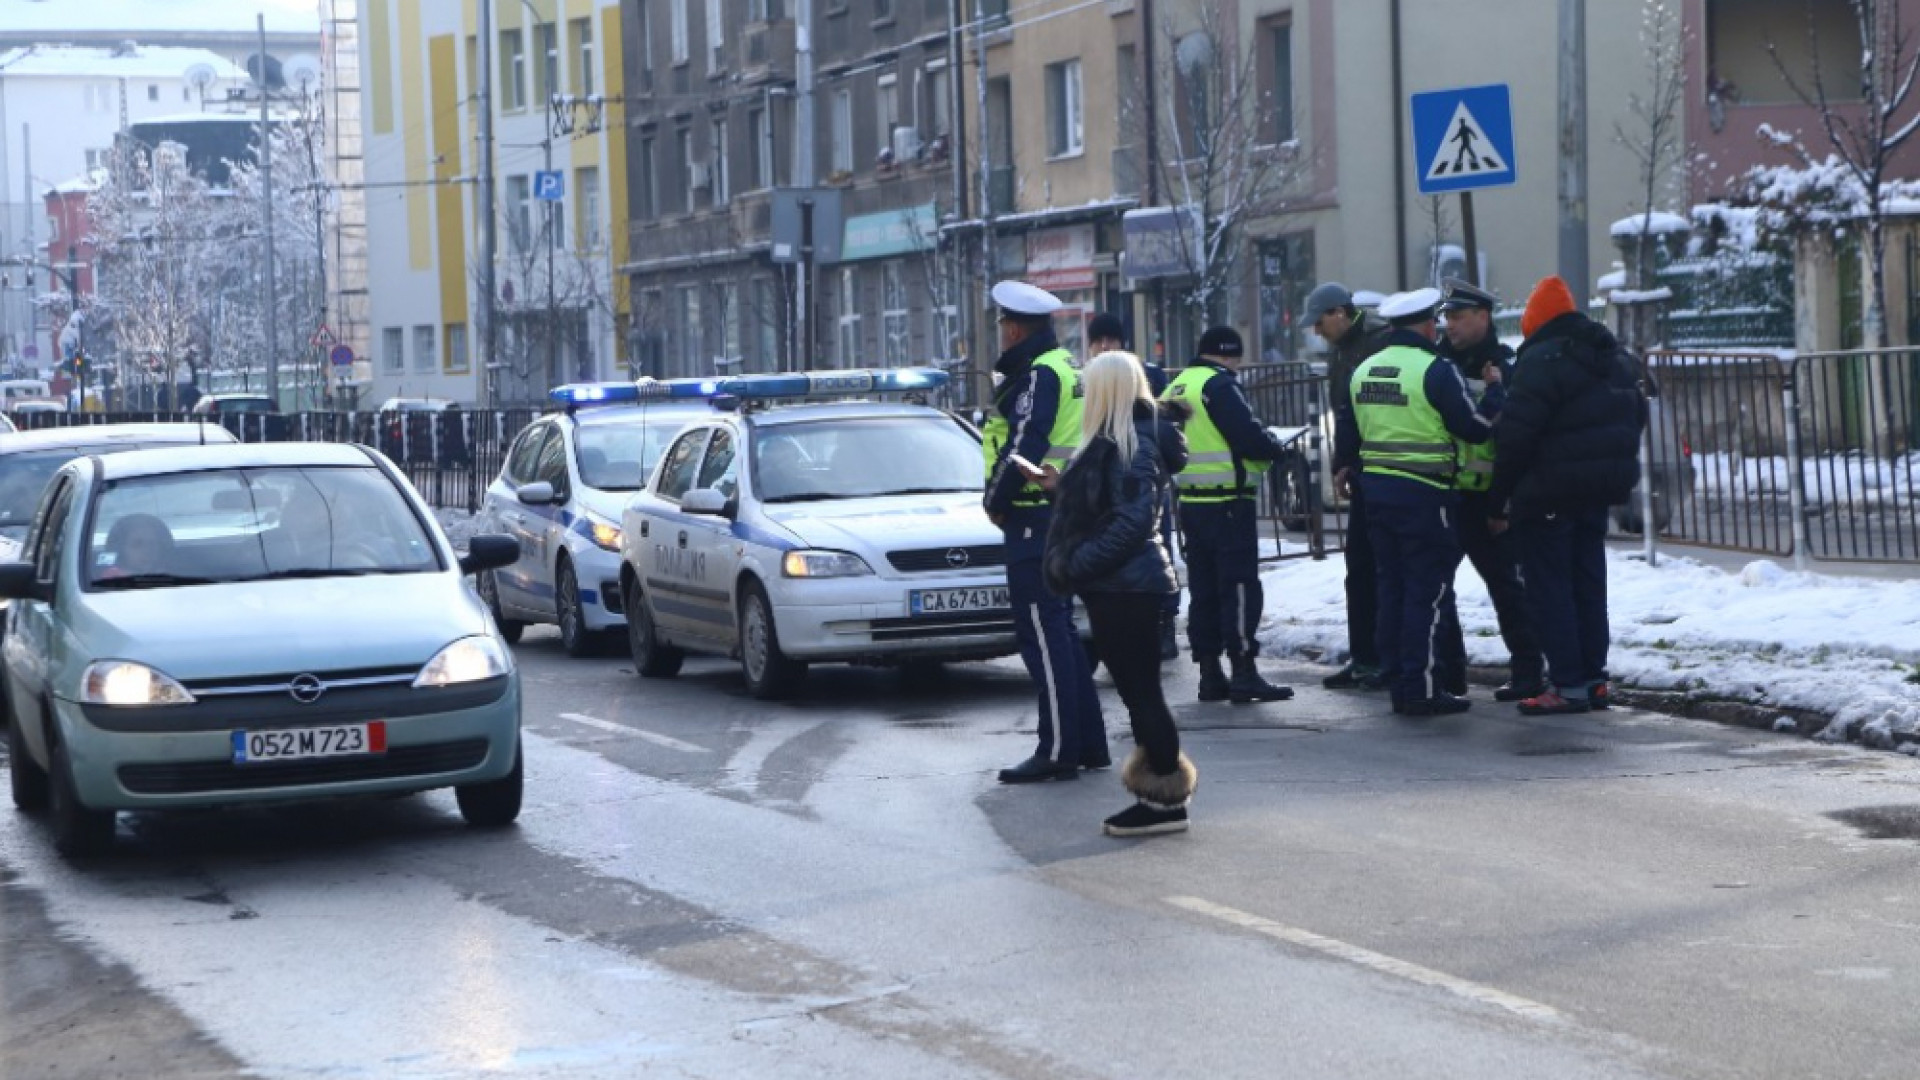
point(1463, 139)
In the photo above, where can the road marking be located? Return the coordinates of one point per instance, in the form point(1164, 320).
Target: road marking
point(1381, 962)
point(638, 733)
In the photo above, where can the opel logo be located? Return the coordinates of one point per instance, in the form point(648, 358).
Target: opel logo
point(958, 557)
point(306, 689)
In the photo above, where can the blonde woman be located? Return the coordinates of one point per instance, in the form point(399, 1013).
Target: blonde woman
point(1105, 546)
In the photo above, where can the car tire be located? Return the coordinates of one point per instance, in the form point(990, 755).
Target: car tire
point(771, 674)
point(79, 831)
point(574, 635)
point(489, 590)
point(651, 659)
point(494, 804)
point(28, 780)
point(1299, 494)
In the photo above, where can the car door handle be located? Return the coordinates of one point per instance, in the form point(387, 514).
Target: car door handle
point(683, 538)
point(645, 527)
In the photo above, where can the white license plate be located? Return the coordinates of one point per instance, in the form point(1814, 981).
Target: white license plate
point(338, 740)
point(949, 601)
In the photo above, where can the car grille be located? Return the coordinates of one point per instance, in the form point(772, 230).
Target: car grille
point(197, 777)
point(984, 625)
point(276, 685)
point(925, 560)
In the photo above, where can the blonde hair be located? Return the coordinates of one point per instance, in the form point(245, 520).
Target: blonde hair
point(1115, 383)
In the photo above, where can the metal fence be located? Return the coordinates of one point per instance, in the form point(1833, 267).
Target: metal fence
point(1298, 501)
point(1813, 456)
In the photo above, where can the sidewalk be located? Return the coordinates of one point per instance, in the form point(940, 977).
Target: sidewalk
point(1706, 626)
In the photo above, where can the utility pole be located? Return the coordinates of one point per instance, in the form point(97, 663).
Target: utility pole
point(266, 216)
point(1573, 149)
point(961, 293)
point(805, 175)
point(484, 102)
point(984, 141)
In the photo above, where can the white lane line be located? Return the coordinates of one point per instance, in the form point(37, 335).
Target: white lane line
point(1381, 962)
point(638, 733)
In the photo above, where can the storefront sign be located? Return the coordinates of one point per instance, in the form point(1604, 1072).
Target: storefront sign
point(890, 232)
point(1162, 242)
point(1061, 260)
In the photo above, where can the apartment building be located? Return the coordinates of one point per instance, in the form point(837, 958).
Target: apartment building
point(557, 93)
point(726, 191)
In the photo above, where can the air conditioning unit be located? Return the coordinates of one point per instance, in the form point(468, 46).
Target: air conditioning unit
point(906, 144)
point(698, 175)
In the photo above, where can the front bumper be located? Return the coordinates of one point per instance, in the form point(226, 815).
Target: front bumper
point(179, 769)
point(598, 572)
point(870, 619)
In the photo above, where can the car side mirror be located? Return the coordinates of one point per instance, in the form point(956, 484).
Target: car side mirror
point(489, 551)
point(538, 493)
point(706, 501)
point(21, 581)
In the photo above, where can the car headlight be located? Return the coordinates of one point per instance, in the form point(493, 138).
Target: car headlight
point(130, 685)
point(470, 659)
point(605, 534)
point(812, 564)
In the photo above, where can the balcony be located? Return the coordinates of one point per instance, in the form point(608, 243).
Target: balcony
point(769, 49)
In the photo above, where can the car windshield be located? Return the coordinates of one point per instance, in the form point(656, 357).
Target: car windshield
point(24, 476)
point(619, 456)
point(860, 458)
point(251, 525)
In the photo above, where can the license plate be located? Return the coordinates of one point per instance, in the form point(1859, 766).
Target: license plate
point(338, 740)
point(949, 601)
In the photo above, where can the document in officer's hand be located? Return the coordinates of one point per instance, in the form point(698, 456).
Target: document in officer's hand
point(1287, 436)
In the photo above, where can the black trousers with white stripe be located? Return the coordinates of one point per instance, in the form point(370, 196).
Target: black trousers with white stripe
point(1416, 552)
point(1222, 545)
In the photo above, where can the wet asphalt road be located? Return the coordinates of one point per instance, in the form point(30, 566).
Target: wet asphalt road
point(703, 885)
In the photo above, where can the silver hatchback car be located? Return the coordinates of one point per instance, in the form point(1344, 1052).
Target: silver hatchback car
point(207, 626)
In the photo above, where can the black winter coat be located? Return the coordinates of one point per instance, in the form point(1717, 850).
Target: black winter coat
point(1569, 436)
point(1105, 533)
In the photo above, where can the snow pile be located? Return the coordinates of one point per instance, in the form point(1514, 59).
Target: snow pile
point(1845, 646)
point(1655, 222)
point(458, 524)
point(1832, 481)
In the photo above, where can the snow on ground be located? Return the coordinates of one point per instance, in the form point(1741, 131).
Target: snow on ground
point(458, 524)
point(1848, 647)
point(1832, 480)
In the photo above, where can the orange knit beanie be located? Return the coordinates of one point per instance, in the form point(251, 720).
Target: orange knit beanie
point(1550, 300)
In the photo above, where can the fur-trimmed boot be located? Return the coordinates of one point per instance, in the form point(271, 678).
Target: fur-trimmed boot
point(1163, 798)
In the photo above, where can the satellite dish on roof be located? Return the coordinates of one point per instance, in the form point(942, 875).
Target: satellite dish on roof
point(201, 76)
point(301, 72)
point(267, 74)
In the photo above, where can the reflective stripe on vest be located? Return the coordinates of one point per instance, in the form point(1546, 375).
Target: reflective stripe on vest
point(1213, 473)
point(1401, 433)
point(1062, 440)
point(1476, 459)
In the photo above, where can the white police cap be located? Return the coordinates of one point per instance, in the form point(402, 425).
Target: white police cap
point(1024, 299)
point(1410, 307)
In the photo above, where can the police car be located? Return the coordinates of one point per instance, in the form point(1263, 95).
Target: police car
point(560, 493)
point(813, 532)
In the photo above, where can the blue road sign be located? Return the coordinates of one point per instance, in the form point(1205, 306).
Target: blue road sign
point(341, 355)
point(550, 186)
point(1463, 139)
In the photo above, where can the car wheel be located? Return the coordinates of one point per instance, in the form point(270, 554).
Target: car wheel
point(490, 596)
point(79, 831)
point(771, 674)
point(496, 803)
point(1297, 495)
point(574, 635)
point(28, 780)
point(650, 658)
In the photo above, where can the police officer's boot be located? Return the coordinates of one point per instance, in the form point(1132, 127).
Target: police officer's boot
point(1247, 687)
point(1169, 644)
point(1213, 681)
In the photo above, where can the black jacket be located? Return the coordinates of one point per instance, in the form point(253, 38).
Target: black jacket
point(1367, 335)
point(1105, 533)
point(1569, 436)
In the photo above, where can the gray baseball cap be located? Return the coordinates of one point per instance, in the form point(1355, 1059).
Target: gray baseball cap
point(1329, 296)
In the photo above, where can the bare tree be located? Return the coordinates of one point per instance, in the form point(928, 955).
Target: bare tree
point(1439, 226)
point(1865, 135)
point(1653, 135)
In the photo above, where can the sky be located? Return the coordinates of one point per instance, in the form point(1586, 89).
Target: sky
point(134, 16)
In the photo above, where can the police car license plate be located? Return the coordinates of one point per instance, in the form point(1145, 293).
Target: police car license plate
point(337, 740)
point(950, 601)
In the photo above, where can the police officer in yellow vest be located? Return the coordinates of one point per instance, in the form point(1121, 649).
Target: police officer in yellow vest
point(1414, 415)
point(1036, 415)
point(1472, 346)
point(1228, 453)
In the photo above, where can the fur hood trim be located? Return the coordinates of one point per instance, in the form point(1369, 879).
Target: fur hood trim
point(1173, 789)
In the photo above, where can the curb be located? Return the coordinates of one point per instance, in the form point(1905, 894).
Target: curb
point(1692, 706)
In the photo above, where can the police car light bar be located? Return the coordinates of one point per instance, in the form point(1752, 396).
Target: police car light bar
point(796, 384)
point(622, 393)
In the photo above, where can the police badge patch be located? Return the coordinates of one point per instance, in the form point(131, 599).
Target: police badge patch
point(1023, 405)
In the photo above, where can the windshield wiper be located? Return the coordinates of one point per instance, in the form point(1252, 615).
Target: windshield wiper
point(151, 581)
point(323, 572)
point(817, 496)
point(923, 491)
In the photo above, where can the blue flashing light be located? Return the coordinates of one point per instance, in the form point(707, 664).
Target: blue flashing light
point(799, 384)
point(625, 393)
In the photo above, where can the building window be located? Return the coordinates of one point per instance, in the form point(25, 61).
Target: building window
point(513, 71)
point(849, 330)
point(97, 159)
point(1064, 135)
point(546, 37)
point(1193, 97)
point(716, 35)
point(553, 228)
point(581, 31)
point(766, 320)
point(456, 348)
point(586, 208)
point(717, 166)
point(896, 329)
point(843, 130)
point(687, 329)
point(1280, 79)
point(645, 43)
point(1750, 43)
point(648, 190)
point(760, 149)
point(939, 115)
point(679, 26)
point(729, 317)
point(886, 113)
point(882, 11)
point(153, 91)
point(393, 349)
point(519, 214)
point(424, 355)
point(690, 177)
